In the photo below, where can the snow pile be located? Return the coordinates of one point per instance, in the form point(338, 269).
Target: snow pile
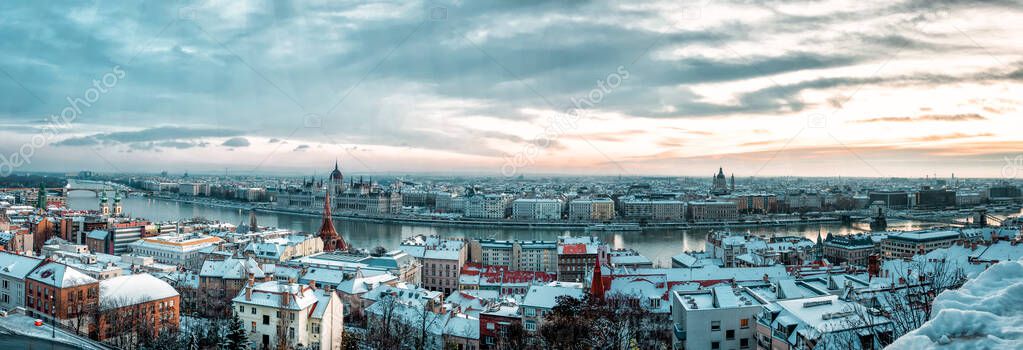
point(986, 313)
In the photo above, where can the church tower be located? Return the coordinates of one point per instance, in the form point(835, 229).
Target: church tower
point(331, 240)
point(104, 206)
point(117, 205)
point(253, 225)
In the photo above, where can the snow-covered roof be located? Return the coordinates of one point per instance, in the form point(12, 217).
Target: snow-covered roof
point(60, 276)
point(133, 289)
point(98, 234)
point(924, 235)
point(323, 300)
point(546, 296)
point(359, 285)
point(231, 268)
point(17, 266)
point(463, 326)
point(271, 293)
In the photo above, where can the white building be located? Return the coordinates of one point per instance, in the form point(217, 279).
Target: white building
point(13, 269)
point(297, 315)
point(487, 206)
point(177, 250)
point(719, 318)
point(536, 209)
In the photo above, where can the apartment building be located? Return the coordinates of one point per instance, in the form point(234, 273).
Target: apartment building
point(591, 209)
point(658, 210)
point(542, 209)
point(718, 318)
point(13, 270)
point(577, 256)
point(181, 250)
point(710, 211)
point(282, 314)
point(487, 206)
point(903, 245)
point(441, 260)
point(516, 255)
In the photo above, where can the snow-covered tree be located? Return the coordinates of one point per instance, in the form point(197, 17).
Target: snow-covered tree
point(235, 339)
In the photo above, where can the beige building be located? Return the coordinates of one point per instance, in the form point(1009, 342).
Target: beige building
point(187, 251)
point(595, 209)
point(281, 249)
point(712, 211)
point(441, 260)
point(539, 256)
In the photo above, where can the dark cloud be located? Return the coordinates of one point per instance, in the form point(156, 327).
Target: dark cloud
point(151, 134)
point(301, 148)
point(236, 142)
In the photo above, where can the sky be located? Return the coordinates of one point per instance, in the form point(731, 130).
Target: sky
point(905, 88)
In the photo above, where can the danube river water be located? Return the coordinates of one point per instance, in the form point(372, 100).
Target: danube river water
point(658, 245)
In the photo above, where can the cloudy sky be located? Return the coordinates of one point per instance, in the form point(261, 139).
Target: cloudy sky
point(851, 88)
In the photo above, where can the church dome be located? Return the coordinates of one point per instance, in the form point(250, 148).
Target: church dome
point(336, 174)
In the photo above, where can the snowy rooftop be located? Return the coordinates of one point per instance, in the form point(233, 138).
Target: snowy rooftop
point(359, 285)
point(134, 289)
point(271, 294)
point(719, 297)
point(17, 266)
point(60, 275)
point(546, 296)
point(231, 268)
point(925, 235)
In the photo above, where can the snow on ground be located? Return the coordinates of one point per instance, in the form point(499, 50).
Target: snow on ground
point(986, 313)
point(24, 325)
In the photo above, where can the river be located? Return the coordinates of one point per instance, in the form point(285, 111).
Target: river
point(658, 245)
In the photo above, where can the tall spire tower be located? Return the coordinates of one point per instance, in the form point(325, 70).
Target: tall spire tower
point(331, 240)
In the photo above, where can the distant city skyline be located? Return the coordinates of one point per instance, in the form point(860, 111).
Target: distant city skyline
point(838, 88)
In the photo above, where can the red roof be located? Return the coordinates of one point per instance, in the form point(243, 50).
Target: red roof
point(578, 248)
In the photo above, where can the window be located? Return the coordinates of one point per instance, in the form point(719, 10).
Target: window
point(253, 310)
point(744, 323)
point(253, 327)
point(490, 325)
point(730, 334)
point(530, 311)
point(715, 326)
point(266, 319)
point(744, 343)
point(714, 345)
point(530, 326)
point(241, 309)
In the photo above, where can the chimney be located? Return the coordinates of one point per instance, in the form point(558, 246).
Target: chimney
point(248, 291)
point(284, 298)
point(312, 284)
